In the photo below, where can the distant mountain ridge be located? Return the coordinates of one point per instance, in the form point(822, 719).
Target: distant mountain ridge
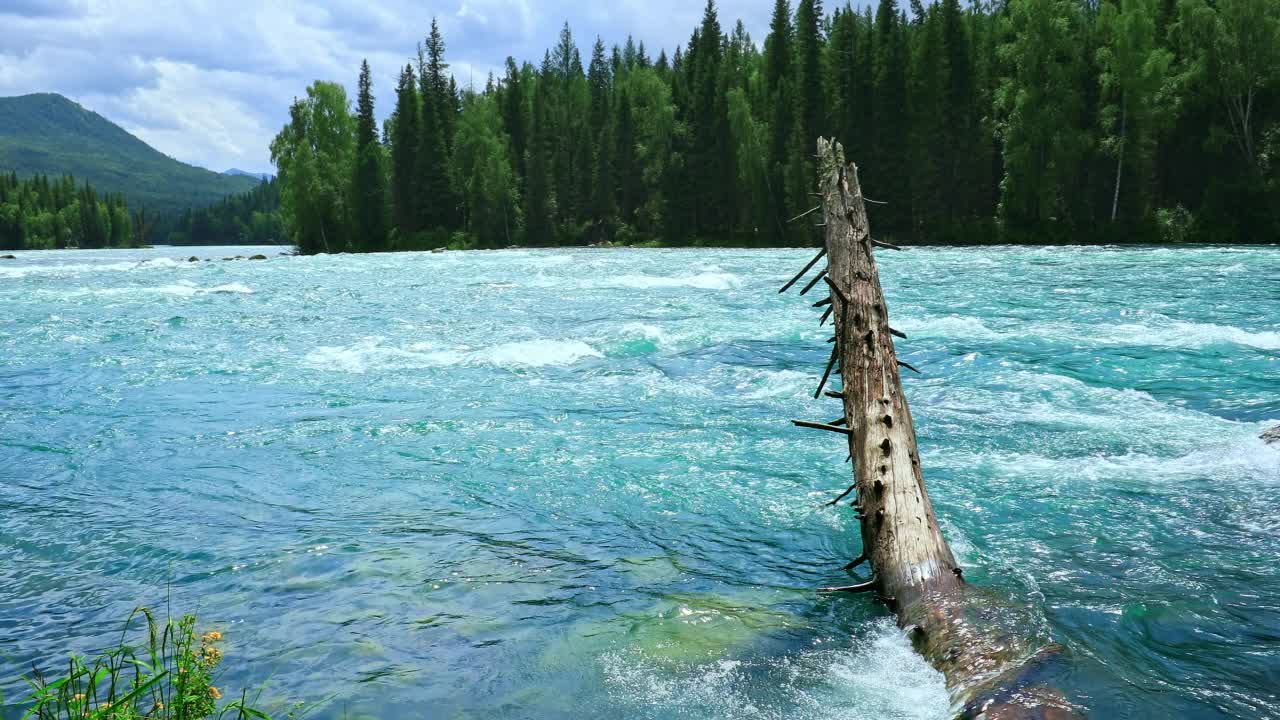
point(237, 172)
point(49, 134)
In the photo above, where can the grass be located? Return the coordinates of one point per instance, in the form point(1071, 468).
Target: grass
point(170, 675)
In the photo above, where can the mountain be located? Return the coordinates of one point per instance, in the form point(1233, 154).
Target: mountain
point(49, 134)
point(237, 172)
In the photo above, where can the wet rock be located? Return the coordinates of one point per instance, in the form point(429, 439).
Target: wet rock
point(1272, 436)
point(258, 257)
point(193, 258)
point(8, 257)
point(438, 250)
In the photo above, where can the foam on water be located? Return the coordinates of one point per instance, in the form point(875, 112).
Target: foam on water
point(875, 675)
point(538, 353)
point(1242, 459)
point(371, 354)
point(74, 269)
point(181, 289)
point(701, 281)
point(1169, 333)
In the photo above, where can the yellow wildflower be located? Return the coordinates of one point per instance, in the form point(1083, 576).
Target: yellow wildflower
point(212, 637)
point(213, 693)
point(79, 697)
point(212, 656)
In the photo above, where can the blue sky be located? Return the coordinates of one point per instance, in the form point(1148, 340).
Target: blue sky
point(209, 81)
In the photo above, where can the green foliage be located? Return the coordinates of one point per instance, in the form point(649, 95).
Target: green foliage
point(251, 218)
point(1027, 120)
point(1134, 69)
point(314, 154)
point(36, 214)
point(48, 134)
point(368, 186)
point(1175, 224)
point(485, 175)
point(171, 675)
point(1044, 140)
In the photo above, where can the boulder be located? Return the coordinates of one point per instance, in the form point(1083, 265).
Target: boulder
point(1272, 436)
point(193, 258)
point(437, 250)
point(8, 257)
point(258, 257)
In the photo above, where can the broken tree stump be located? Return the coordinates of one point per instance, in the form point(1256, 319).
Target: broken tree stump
point(995, 668)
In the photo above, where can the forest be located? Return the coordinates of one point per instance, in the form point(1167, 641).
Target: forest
point(251, 218)
point(1043, 121)
point(39, 214)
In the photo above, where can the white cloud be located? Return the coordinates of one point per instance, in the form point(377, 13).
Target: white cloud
point(210, 82)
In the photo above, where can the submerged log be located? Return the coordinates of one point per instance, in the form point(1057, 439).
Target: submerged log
point(993, 669)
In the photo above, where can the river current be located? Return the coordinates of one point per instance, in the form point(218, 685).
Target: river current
point(559, 484)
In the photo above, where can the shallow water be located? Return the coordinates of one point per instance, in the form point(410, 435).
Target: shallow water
point(547, 484)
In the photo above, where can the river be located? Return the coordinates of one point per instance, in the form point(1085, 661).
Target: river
point(550, 484)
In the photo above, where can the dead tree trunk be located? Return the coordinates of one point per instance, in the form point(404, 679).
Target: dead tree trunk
point(992, 668)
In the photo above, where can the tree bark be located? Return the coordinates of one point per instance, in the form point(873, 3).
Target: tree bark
point(1124, 121)
point(993, 669)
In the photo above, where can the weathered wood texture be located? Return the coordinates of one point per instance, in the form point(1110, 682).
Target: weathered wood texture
point(995, 667)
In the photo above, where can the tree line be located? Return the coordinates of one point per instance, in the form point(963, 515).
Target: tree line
point(38, 213)
point(1014, 121)
point(251, 218)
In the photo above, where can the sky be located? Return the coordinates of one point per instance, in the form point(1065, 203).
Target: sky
point(209, 82)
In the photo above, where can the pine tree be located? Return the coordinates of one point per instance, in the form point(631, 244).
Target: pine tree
point(711, 156)
point(603, 180)
point(540, 204)
point(887, 161)
point(777, 62)
point(810, 98)
point(437, 207)
point(406, 136)
point(627, 166)
point(368, 186)
point(961, 134)
point(1041, 107)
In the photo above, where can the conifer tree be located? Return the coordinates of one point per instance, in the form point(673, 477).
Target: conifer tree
point(436, 202)
point(368, 185)
point(777, 68)
point(406, 136)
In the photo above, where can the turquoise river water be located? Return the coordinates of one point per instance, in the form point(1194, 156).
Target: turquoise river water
point(562, 484)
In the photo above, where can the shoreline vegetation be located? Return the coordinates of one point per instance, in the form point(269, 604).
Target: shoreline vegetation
point(1031, 121)
point(39, 213)
point(170, 674)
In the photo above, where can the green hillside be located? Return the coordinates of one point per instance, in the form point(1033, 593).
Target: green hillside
point(49, 134)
